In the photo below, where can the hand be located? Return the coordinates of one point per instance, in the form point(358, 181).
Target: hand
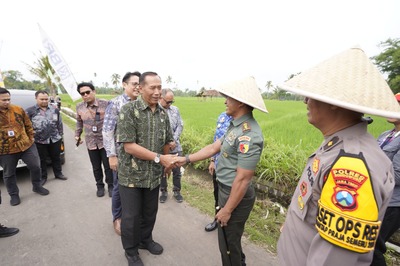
point(78, 141)
point(113, 161)
point(223, 217)
point(168, 161)
point(172, 145)
point(211, 168)
point(167, 172)
point(180, 161)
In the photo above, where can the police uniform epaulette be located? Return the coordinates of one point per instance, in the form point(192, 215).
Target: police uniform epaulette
point(331, 143)
point(246, 127)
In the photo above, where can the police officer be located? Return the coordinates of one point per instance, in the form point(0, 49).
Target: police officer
point(338, 205)
point(240, 150)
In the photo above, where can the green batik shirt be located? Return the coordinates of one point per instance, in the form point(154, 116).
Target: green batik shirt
point(138, 124)
point(241, 147)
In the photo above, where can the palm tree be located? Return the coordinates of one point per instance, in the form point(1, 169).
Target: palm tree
point(41, 69)
point(115, 79)
point(169, 80)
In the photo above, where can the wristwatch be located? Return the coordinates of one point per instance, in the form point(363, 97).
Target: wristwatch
point(157, 158)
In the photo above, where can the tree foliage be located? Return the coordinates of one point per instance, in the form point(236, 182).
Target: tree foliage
point(41, 69)
point(115, 78)
point(389, 62)
point(13, 79)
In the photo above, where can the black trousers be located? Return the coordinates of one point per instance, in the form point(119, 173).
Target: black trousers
point(390, 224)
point(139, 211)
point(9, 163)
point(53, 150)
point(98, 157)
point(231, 240)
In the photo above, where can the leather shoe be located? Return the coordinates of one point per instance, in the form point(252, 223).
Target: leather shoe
point(153, 247)
point(100, 192)
point(15, 200)
point(41, 190)
point(117, 226)
point(43, 181)
point(134, 260)
point(5, 231)
point(178, 197)
point(62, 177)
point(211, 226)
point(164, 196)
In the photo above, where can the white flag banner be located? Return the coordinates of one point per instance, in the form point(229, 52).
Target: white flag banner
point(60, 66)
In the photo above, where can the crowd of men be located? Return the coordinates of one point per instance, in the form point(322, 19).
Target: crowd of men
point(337, 215)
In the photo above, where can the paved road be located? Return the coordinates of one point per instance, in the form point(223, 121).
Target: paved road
point(72, 226)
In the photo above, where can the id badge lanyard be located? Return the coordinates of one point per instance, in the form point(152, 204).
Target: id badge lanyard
point(10, 131)
point(95, 120)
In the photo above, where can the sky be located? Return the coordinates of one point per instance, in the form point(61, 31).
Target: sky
point(196, 43)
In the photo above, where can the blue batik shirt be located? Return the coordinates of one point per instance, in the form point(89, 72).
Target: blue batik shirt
point(176, 126)
point(110, 123)
point(223, 123)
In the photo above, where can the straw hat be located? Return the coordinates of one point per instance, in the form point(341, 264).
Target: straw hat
point(245, 91)
point(348, 80)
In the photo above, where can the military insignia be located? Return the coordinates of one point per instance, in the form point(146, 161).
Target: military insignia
point(331, 143)
point(300, 202)
point(244, 138)
point(244, 147)
point(225, 154)
point(136, 112)
point(315, 166)
point(303, 188)
point(246, 127)
point(231, 137)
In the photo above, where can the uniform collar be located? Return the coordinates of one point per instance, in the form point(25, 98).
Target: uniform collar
point(241, 119)
point(142, 105)
point(95, 103)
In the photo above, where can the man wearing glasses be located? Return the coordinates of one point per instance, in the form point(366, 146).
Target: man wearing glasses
point(130, 83)
point(166, 101)
point(90, 115)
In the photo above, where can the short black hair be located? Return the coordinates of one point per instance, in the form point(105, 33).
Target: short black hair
point(4, 91)
point(85, 84)
point(145, 74)
point(128, 75)
point(41, 91)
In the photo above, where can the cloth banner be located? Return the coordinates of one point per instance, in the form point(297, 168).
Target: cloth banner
point(60, 66)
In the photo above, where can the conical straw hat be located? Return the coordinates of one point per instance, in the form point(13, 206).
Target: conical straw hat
point(245, 91)
point(348, 80)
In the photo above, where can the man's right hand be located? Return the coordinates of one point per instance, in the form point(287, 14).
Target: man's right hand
point(113, 161)
point(211, 168)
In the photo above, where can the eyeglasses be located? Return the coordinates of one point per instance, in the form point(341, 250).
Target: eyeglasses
point(168, 102)
point(134, 84)
point(85, 93)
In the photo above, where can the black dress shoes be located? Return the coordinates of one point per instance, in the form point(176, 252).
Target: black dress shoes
point(5, 231)
point(211, 226)
point(62, 177)
point(134, 260)
point(40, 190)
point(15, 200)
point(153, 247)
point(100, 192)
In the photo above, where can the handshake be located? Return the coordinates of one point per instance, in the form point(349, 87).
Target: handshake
point(171, 161)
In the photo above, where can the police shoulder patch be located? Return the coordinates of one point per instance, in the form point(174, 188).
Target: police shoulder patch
point(331, 143)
